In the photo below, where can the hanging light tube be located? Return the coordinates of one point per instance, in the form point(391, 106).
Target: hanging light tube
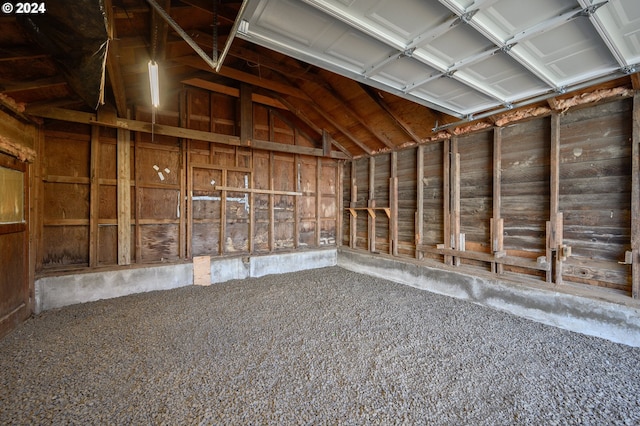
point(154, 84)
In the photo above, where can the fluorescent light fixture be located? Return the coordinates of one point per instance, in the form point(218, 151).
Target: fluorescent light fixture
point(154, 83)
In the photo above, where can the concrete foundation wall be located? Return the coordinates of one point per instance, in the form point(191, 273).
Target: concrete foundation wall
point(618, 321)
point(62, 290)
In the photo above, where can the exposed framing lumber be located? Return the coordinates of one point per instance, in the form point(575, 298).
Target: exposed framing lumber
point(123, 160)
point(446, 192)
point(178, 132)
point(371, 203)
point(303, 117)
point(232, 91)
point(455, 198)
point(393, 205)
point(246, 114)
point(198, 63)
point(497, 223)
point(341, 128)
point(554, 226)
point(635, 198)
point(419, 220)
point(94, 196)
point(339, 203)
point(318, 201)
point(490, 258)
point(113, 63)
point(354, 200)
point(400, 123)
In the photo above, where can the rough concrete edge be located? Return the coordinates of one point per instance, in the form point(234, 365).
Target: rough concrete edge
point(57, 291)
point(292, 262)
point(603, 319)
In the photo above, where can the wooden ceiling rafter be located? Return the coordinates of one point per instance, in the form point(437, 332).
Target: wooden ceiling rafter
point(388, 110)
point(304, 118)
point(113, 64)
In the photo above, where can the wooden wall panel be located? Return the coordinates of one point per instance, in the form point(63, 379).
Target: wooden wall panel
point(346, 202)
point(525, 187)
point(595, 193)
point(381, 197)
point(476, 189)
point(159, 242)
point(407, 204)
point(66, 187)
point(433, 196)
point(362, 181)
point(65, 246)
point(328, 209)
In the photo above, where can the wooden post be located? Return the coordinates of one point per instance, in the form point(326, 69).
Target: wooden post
point(123, 160)
point(555, 225)
point(455, 197)
point(635, 198)
point(94, 196)
point(393, 198)
point(419, 222)
point(183, 179)
point(223, 214)
point(353, 221)
point(372, 203)
point(339, 203)
point(272, 216)
point(497, 226)
point(246, 115)
point(326, 143)
point(318, 201)
point(296, 202)
point(446, 191)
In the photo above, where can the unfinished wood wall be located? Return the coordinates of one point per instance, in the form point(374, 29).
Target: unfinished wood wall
point(185, 197)
point(548, 199)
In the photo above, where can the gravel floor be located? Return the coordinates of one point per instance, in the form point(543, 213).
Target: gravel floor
point(318, 347)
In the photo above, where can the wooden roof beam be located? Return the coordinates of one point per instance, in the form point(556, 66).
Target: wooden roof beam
point(113, 64)
point(398, 120)
point(285, 89)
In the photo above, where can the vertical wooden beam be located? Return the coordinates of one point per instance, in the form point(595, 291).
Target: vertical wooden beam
point(184, 147)
point(326, 143)
point(246, 114)
point(446, 194)
point(223, 214)
point(393, 198)
point(296, 202)
point(555, 225)
point(123, 161)
point(318, 201)
point(419, 221)
point(35, 215)
point(372, 203)
point(252, 219)
point(339, 203)
point(635, 198)
point(272, 216)
point(497, 237)
point(353, 221)
point(455, 197)
point(94, 196)
point(39, 182)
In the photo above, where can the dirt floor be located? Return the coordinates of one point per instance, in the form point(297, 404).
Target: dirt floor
point(327, 346)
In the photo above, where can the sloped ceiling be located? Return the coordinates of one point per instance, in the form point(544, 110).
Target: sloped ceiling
point(375, 75)
point(460, 57)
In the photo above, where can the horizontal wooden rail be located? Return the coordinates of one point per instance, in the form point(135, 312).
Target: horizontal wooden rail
point(488, 257)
